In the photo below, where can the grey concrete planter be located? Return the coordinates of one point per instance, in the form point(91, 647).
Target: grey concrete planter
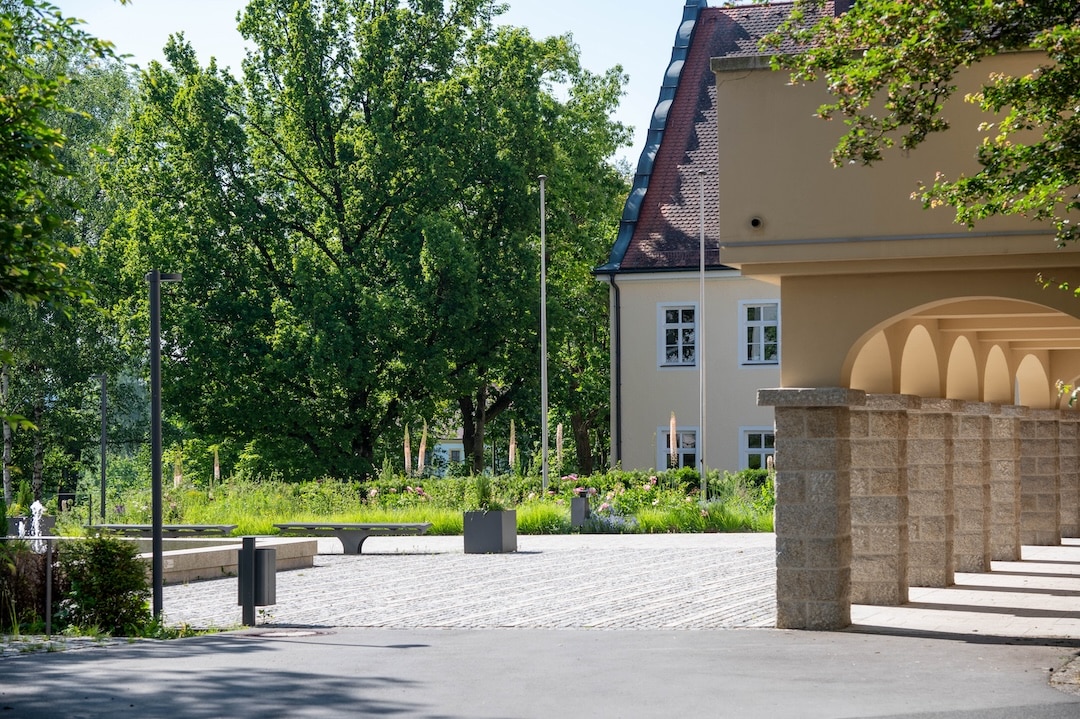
point(47, 524)
point(491, 532)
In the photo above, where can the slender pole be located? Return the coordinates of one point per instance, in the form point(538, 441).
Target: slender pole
point(543, 335)
point(155, 278)
point(701, 343)
point(104, 443)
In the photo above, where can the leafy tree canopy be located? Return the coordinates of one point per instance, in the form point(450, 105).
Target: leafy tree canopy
point(34, 39)
point(355, 219)
point(891, 65)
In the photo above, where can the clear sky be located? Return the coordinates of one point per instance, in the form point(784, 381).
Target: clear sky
point(636, 34)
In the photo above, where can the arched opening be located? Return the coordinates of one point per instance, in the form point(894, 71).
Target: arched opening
point(962, 373)
point(1033, 384)
point(997, 385)
point(919, 374)
point(872, 370)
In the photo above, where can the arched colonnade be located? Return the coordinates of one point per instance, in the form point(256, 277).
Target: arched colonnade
point(945, 446)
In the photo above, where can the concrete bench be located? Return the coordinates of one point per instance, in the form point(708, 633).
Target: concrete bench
point(168, 530)
point(353, 535)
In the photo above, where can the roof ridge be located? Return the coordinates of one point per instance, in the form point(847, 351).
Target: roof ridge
point(657, 125)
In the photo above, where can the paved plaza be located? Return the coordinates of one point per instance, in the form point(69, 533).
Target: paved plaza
point(673, 581)
point(677, 581)
point(576, 626)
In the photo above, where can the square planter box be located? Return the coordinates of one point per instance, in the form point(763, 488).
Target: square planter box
point(47, 524)
point(491, 532)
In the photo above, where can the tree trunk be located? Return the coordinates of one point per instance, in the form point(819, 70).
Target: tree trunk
point(37, 478)
point(476, 414)
point(473, 421)
point(581, 426)
point(7, 434)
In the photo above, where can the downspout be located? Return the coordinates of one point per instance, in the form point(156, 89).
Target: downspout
point(617, 346)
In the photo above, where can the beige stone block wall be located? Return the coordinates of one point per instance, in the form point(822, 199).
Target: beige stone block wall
point(1005, 483)
point(971, 487)
point(1069, 473)
point(931, 512)
point(813, 505)
point(1040, 501)
point(879, 500)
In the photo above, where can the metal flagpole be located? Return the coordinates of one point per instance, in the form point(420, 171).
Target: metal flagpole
point(104, 443)
point(155, 278)
point(543, 335)
point(701, 343)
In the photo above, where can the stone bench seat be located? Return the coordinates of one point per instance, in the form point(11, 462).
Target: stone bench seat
point(167, 530)
point(353, 535)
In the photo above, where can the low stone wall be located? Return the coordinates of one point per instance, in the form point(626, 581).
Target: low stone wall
point(187, 560)
point(877, 493)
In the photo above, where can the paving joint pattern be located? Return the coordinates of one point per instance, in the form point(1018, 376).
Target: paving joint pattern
point(557, 582)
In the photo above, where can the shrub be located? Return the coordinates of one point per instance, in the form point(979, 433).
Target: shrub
point(542, 518)
point(22, 586)
point(106, 586)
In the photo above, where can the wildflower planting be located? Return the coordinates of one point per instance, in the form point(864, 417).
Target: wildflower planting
point(620, 501)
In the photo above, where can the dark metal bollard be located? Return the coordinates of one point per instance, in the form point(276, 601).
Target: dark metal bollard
point(257, 575)
point(579, 511)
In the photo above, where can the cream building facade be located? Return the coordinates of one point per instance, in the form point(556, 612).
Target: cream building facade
point(918, 428)
point(665, 340)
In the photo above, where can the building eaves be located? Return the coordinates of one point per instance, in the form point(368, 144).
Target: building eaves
point(660, 229)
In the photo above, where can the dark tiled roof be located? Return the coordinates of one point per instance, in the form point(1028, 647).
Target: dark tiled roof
point(661, 223)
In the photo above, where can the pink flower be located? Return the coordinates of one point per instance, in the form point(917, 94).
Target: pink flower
point(605, 507)
point(373, 492)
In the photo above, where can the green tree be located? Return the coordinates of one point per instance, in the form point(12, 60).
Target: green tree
point(892, 64)
point(54, 337)
point(355, 221)
point(33, 257)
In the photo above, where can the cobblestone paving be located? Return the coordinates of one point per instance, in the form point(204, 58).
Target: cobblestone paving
point(600, 582)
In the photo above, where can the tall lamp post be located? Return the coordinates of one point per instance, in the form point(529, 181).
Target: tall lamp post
point(543, 336)
point(104, 442)
point(701, 341)
point(155, 278)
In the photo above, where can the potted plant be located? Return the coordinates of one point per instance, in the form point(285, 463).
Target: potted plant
point(489, 527)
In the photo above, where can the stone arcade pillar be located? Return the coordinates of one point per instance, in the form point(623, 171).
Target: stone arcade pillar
point(971, 487)
point(879, 499)
point(813, 505)
point(1005, 483)
point(930, 493)
point(1040, 497)
point(1069, 472)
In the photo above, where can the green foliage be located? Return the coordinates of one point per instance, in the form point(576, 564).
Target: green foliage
point(538, 517)
point(891, 65)
point(479, 496)
point(21, 580)
point(621, 502)
point(25, 496)
point(355, 221)
point(107, 585)
point(33, 38)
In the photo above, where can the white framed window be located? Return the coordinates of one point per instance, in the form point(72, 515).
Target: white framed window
point(676, 329)
point(759, 332)
point(757, 444)
point(686, 448)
